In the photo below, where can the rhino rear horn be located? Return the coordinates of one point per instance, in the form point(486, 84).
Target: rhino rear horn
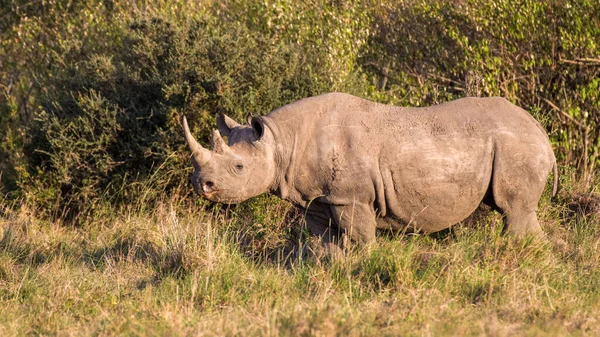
point(201, 155)
point(218, 145)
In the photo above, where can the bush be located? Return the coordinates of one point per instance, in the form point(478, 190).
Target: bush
point(93, 93)
point(10, 142)
point(114, 118)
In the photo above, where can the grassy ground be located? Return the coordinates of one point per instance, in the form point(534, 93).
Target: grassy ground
point(180, 270)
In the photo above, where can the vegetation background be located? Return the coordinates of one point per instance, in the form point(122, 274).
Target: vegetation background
point(101, 235)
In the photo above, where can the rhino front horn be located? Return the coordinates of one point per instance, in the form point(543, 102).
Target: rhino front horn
point(201, 155)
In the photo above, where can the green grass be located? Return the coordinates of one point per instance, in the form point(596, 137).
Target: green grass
point(180, 270)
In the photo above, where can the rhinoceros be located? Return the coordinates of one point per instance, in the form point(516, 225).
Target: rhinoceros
point(354, 166)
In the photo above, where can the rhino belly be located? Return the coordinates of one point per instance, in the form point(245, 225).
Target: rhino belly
point(433, 187)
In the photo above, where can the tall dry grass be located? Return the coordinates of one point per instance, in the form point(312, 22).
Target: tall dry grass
point(180, 270)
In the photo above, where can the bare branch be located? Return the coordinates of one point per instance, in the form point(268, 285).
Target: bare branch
point(562, 112)
point(582, 61)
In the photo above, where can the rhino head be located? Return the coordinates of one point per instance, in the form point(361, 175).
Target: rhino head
point(233, 172)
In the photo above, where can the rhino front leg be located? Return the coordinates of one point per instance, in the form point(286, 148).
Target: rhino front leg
point(357, 220)
point(322, 227)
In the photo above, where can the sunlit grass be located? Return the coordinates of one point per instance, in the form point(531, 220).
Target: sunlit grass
point(180, 270)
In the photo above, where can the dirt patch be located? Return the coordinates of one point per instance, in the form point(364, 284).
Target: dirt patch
point(583, 205)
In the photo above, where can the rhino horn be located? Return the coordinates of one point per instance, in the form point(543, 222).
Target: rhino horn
point(201, 155)
point(218, 145)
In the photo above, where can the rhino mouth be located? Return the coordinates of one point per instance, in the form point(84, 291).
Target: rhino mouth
point(210, 195)
point(215, 197)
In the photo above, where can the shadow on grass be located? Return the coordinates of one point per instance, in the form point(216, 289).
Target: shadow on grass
point(23, 252)
point(165, 262)
point(17, 244)
point(285, 245)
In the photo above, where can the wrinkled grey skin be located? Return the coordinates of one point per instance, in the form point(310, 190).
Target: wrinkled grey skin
point(353, 165)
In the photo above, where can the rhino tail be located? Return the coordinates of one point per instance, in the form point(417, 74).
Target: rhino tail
point(556, 184)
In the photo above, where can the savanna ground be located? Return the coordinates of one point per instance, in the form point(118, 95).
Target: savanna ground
point(99, 231)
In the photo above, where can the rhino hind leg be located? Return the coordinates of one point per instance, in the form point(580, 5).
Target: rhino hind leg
point(520, 217)
point(516, 191)
point(522, 224)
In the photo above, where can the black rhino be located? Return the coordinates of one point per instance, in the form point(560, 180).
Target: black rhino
point(353, 165)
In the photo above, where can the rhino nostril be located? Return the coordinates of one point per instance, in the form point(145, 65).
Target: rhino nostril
point(208, 186)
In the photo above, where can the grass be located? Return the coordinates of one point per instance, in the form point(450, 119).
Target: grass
point(183, 270)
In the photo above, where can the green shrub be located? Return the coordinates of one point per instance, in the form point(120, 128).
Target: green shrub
point(114, 118)
point(10, 143)
point(93, 93)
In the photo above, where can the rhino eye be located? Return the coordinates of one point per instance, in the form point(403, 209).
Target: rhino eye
point(239, 167)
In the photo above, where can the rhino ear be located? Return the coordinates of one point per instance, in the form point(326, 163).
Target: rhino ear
point(225, 124)
point(258, 125)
